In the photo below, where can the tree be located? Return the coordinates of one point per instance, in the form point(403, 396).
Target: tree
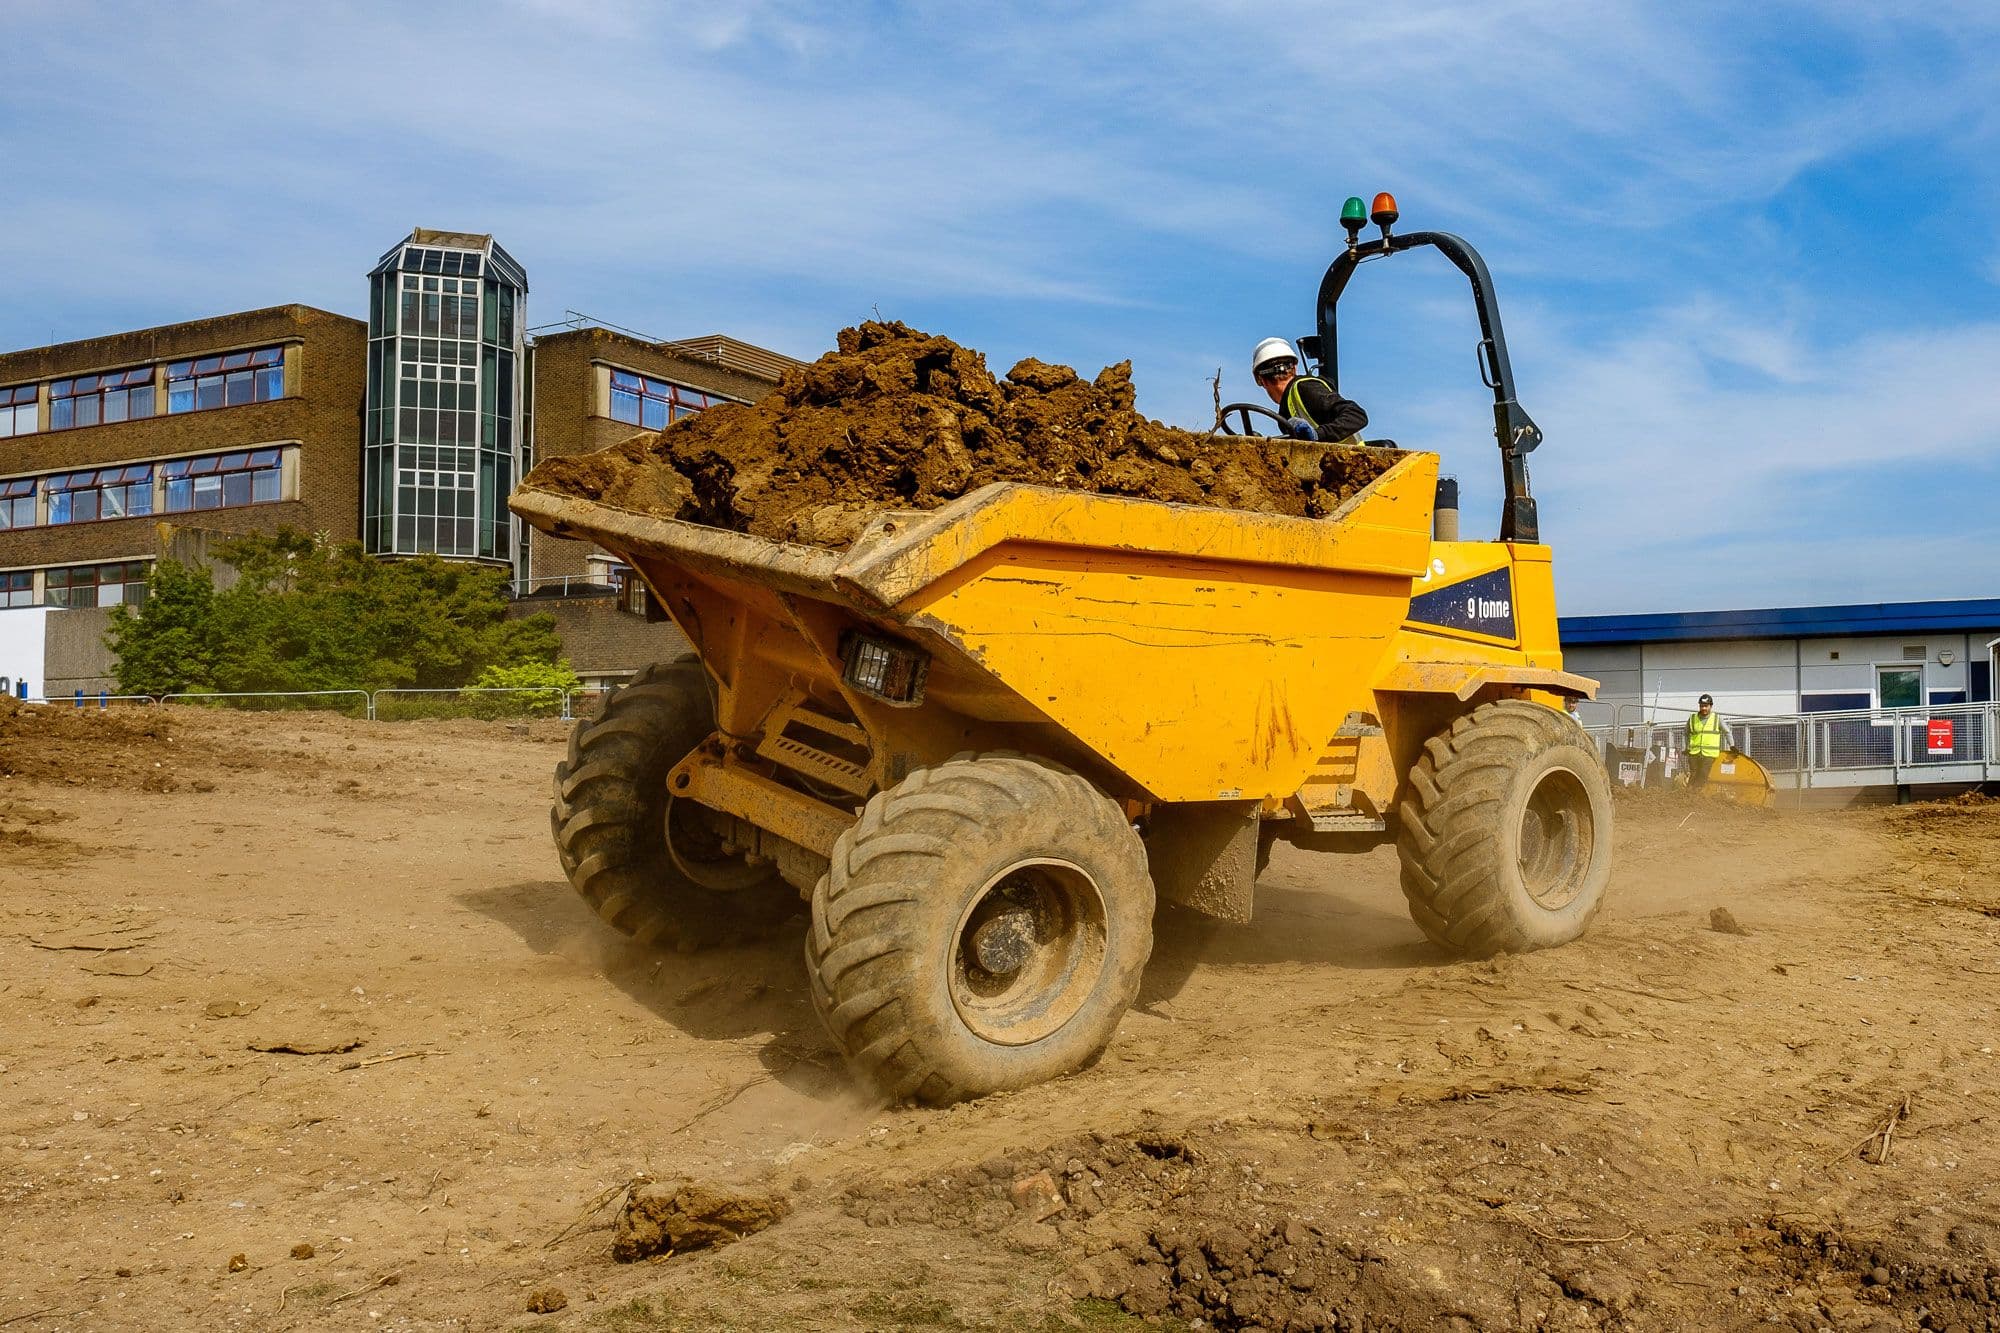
point(306, 613)
point(166, 645)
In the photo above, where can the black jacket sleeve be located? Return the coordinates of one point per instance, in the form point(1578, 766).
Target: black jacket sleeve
point(1335, 417)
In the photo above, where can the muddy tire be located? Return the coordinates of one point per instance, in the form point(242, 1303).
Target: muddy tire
point(1505, 831)
point(610, 821)
point(982, 927)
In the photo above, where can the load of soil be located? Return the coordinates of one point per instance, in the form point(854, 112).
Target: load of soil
point(898, 419)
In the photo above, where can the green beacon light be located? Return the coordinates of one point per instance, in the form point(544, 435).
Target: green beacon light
point(1353, 216)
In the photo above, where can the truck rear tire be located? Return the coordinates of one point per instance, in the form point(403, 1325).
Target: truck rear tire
point(611, 819)
point(982, 927)
point(1505, 832)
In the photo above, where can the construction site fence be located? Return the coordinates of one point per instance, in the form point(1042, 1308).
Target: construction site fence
point(1943, 742)
point(386, 705)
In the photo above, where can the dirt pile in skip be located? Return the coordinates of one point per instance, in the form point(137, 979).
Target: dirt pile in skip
point(898, 419)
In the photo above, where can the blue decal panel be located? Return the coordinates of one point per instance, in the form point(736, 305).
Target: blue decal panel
point(1480, 605)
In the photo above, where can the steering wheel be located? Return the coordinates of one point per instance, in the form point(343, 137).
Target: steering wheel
point(1243, 413)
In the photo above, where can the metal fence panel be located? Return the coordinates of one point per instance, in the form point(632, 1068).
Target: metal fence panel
point(477, 702)
point(355, 703)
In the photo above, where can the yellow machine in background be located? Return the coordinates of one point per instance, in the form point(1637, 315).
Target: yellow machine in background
point(986, 739)
point(1735, 776)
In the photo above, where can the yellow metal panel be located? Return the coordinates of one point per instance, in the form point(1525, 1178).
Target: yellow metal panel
point(1384, 529)
point(1206, 655)
point(750, 796)
point(1200, 682)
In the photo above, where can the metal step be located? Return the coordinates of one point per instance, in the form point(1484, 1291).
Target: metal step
point(1344, 821)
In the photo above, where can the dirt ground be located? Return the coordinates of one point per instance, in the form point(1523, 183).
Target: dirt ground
point(277, 982)
point(894, 418)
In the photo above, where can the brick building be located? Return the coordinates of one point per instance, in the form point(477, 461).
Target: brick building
point(237, 423)
point(594, 387)
point(406, 431)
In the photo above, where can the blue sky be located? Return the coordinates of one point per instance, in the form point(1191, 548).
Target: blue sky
point(1747, 255)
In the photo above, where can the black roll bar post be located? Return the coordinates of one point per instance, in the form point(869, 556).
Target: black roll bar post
point(1513, 428)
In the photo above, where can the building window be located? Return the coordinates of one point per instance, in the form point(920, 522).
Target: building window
point(226, 381)
point(17, 411)
point(90, 400)
point(652, 403)
point(222, 481)
point(436, 500)
point(17, 503)
point(122, 584)
point(109, 492)
point(1899, 687)
point(17, 588)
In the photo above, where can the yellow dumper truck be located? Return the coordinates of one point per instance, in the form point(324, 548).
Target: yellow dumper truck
point(985, 740)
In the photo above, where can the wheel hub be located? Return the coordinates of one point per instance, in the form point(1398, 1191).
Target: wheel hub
point(1028, 952)
point(1004, 942)
point(1557, 838)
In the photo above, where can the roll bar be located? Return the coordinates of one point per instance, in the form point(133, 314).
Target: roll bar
point(1515, 431)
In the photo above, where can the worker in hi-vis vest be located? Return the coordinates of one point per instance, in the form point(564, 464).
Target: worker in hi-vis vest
point(1707, 738)
point(1312, 408)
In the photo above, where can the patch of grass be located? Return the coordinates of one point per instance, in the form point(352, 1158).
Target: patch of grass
point(1096, 1316)
point(914, 1312)
point(638, 1315)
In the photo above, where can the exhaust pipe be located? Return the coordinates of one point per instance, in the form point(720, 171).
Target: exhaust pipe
point(1444, 520)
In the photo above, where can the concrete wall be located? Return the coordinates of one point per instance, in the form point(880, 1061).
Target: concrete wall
point(601, 639)
point(77, 657)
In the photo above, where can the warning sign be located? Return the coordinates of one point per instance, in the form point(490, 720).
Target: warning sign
point(1938, 735)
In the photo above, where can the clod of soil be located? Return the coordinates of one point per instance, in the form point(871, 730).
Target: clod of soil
point(547, 1301)
point(898, 419)
point(1722, 921)
point(679, 1216)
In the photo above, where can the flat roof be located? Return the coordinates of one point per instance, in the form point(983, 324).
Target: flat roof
point(1967, 615)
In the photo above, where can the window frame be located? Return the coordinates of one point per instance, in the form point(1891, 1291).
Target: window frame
point(14, 399)
point(187, 475)
point(1904, 666)
point(261, 369)
point(97, 584)
point(13, 491)
point(645, 389)
point(17, 582)
point(65, 398)
point(116, 478)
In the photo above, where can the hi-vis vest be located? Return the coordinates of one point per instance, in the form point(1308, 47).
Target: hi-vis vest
point(1705, 734)
point(1295, 402)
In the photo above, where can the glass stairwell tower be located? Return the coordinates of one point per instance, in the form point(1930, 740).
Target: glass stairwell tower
point(444, 425)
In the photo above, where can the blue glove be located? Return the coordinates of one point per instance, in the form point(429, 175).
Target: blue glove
point(1301, 429)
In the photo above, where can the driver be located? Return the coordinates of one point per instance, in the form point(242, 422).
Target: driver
point(1312, 408)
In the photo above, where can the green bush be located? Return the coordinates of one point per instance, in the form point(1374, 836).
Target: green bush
point(307, 613)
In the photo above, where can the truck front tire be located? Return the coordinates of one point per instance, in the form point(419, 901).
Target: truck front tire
point(1505, 832)
point(982, 927)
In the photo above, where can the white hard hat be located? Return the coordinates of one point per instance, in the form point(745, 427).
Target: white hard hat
point(1272, 349)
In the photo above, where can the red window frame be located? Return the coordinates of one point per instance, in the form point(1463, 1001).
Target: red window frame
point(66, 397)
